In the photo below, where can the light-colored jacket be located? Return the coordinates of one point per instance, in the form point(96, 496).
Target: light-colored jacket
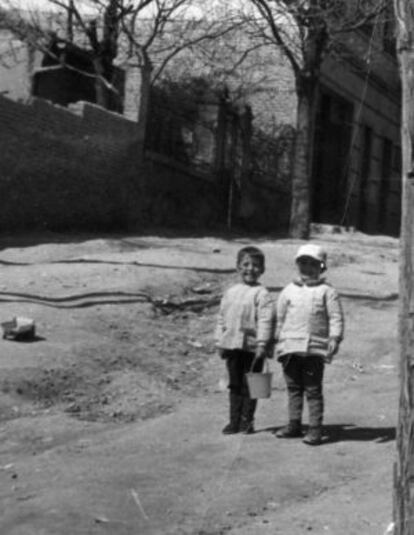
point(308, 315)
point(245, 319)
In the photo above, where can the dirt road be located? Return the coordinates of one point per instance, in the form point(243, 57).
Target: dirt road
point(110, 421)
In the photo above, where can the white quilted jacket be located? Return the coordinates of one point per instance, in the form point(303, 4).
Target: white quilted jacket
point(246, 318)
point(308, 315)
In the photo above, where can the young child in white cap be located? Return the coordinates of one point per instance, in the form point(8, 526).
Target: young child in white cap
point(309, 330)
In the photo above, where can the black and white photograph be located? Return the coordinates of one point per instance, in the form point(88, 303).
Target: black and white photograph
point(206, 267)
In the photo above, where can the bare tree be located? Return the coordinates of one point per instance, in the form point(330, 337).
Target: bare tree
point(168, 29)
point(104, 44)
point(306, 31)
point(52, 31)
point(147, 34)
point(404, 467)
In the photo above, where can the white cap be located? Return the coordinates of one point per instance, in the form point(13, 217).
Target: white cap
point(314, 251)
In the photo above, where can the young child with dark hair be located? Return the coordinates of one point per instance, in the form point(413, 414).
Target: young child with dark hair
point(309, 330)
point(243, 335)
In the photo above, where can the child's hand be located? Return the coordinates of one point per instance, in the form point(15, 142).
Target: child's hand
point(260, 352)
point(333, 346)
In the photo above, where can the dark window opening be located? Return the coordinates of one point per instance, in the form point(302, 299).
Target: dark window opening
point(333, 129)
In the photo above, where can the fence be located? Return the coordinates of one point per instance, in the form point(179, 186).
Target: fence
point(201, 129)
point(78, 168)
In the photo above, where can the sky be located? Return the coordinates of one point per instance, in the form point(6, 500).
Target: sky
point(42, 4)
point(34, 5)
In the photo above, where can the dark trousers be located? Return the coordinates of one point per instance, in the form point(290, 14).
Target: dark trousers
point(304, 376)
point(238, 364)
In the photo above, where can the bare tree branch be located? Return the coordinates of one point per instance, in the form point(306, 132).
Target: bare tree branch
point(265, 10)
point(206, 36)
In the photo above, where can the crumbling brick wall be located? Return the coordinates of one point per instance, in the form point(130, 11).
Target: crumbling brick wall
point(79, 170)
point(60, 170)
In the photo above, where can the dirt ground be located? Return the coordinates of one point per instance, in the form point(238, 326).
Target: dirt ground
point(110, 420)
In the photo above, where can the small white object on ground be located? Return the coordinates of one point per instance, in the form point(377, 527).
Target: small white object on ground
point(390, 529)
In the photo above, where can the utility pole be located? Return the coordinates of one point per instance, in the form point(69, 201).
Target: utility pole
point(404, 466)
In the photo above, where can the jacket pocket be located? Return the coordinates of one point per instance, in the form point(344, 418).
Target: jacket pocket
point(319, 343)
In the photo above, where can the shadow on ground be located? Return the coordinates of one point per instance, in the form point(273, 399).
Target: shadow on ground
point(129, 238)
point(349, 432)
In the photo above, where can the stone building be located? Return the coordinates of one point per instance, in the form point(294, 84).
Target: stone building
point(357, 152)
point(356, 157)
point(17, 63)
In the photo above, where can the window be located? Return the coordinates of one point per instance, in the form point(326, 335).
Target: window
point(388, 34)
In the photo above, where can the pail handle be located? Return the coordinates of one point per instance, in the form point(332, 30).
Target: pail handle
point(265, 365)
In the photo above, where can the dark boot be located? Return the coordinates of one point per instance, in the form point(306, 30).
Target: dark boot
point(247, 416)
point(314, 436)
point(233, 426)
point(292, 430)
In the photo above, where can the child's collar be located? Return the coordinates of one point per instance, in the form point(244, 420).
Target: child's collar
point(257, 283)
point(300, 282)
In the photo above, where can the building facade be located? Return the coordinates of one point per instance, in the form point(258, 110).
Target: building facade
point(357, 148)
point(17, 63)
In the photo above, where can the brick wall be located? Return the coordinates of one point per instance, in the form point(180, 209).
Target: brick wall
point(78, 169)
point(56, 171)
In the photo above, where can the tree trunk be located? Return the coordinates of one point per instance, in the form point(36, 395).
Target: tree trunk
point(104, 52)
point(101, 92)
point(404, 467)
point(144, 104)
point(69, 22)
point(307, 86)
point(300, 213)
